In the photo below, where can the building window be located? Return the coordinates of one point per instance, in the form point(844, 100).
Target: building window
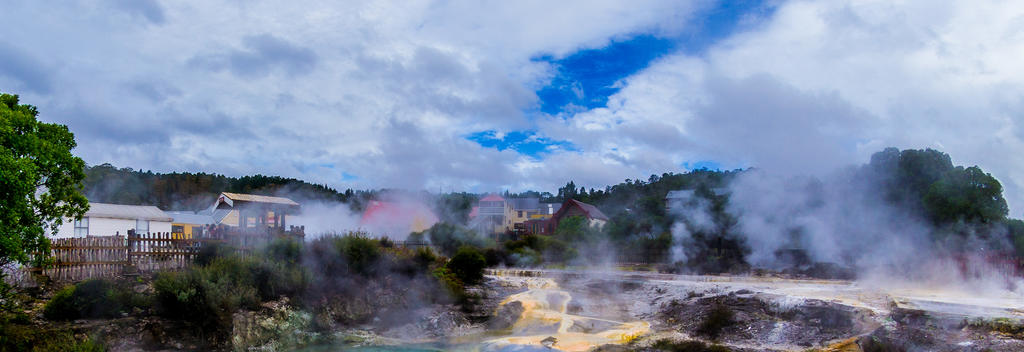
point(141, 226)
point(177, 229)
point(82, 227)
point(520, 214)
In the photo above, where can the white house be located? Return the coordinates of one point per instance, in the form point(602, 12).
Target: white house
point(115, 219)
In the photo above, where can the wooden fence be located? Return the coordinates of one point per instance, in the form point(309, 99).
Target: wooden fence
point(75, 259)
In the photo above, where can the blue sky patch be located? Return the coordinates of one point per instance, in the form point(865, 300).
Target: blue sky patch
point(703, 164)
point(348, 177)
point(523, 142)
point(585, 79)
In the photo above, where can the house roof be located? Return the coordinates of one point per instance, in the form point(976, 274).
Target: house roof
point(123, 211)
point(193, 218)
point(492, 198)
point(525, 203)
point(239, 197)
point(590, 210)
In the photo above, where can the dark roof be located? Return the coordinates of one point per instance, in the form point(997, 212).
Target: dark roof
point(525, 203)
point(591, 211)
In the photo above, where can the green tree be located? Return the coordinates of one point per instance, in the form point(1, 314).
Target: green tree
point(966, 194)
point(468, 265)
point(40, 180)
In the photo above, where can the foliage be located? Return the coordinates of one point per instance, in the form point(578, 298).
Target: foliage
point(206, 296)
point(20, 336)
point(719, 318)
point(686, 346)
point(40, 180)
point(94, 298)
point(968, 195)
point(1015, 227)
point(360, 253)
point(532, 250)
point(108, 184)
point(468, 265)
point(448, 238)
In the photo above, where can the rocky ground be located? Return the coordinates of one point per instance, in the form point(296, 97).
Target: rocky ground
point(692, 314)
point(744, 317)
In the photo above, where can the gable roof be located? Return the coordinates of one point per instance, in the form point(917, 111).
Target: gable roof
point(492, 198)
point(240, 197)
point(590, 210)
point(130, 212)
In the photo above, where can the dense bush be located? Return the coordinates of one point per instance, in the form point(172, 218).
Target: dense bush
point(533, 250)
point(22, 336)
point(719, 318)
point(468, 265)
point(208, 295)
point(687, 346)
point(95, 298)
point(448, 238)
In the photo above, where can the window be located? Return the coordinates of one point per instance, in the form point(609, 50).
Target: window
point(82, 227)
point(141, 226)
point(197, 231)
point(520, 214)
point(177, 229)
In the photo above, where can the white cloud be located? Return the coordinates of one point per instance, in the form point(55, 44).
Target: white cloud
point(387, 91)
point(821, 84)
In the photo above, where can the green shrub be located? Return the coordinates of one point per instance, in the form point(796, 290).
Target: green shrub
point(211, 251)
point(284, 250)
point(207, 296)
point(719, 318)
point(686, 346)
point(360, 253)
point(275, 279)
point(62, 305)
point(468, 265)
point(27, 337)
point(451, 282)
point(424, 257)
point(94, 298)
point(448, 238)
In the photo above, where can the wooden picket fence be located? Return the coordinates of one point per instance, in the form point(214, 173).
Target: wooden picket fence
point(76, 259)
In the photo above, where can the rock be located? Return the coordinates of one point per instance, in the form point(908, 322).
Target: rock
point(549, 342)
point(506, 316)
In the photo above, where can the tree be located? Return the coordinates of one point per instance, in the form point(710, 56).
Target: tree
point(40, 180)
point(966, 194)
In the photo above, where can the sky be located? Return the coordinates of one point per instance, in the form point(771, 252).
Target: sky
point(494, 95)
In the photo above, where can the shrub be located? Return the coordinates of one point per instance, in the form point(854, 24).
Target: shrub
point(468, 265)
point(284, 250)
point(424, 256)
point(719, 318)
point(211, 251)
point(26, 337)
point(95, 298)
point(360, 253)
point(276, 279)
point(687, 346)
point(448, 238)
point(207, 295)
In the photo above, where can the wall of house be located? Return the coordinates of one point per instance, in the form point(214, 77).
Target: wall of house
point(108, 227)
